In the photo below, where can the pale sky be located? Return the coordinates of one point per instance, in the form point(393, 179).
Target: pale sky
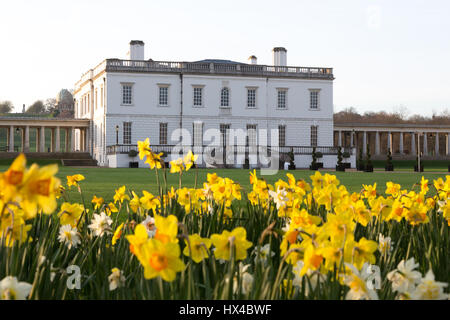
point(385, 54)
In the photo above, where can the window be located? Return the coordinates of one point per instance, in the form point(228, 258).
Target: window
point(101, 98)
point(89, 103)
point(164, 96)
point(251, 97)
point(198, 96)
point(314, 136)
point(314, 99)
point(127, 98)
point(96, 93)
point(281, 135)
point(163, 133)
point(225, 97)
point(127, 133)
point(198, 133)
point(224, 132)
point(282, 94)
point(251, 134)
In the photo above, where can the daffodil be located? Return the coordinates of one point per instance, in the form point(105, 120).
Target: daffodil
point(154, 160)
point(116, 279)
point(117, 234)
point(189, 160)
point(223, 242)
point(161, 259)
point(100, 224)
point(69, 236)
point(198, 247)
point(144, 148)
point(11, 289)
point(120, 195)
point(166, 228)
point(73, 180)
point(70, 213)
point(357, 281)
point(176, 165)
point(98, 202)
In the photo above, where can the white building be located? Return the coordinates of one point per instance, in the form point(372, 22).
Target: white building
point(129, 100)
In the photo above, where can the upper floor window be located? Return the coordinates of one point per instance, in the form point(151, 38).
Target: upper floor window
point(163, 95)
point(127, 93)
point(314, 98)
point(198, 96)
point(251, 97)
point(314, 130)
point(225, 97)
point(127, 133)
point(282, 99)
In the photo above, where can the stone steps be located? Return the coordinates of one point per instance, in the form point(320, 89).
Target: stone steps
point(79, 162)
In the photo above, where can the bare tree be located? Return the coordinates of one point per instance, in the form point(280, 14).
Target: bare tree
point(37, 107)
point(6, 107)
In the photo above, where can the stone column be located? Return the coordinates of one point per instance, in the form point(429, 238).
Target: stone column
point(436, 144)
point(37, 140)
point(447, 145)
point(425, 144)
point(401, 143)
point(340, 138)
point(57, 140)
point(377, 143)
point(66, 145)
point(389, 142)
point(352, 139)
point(11, 139)
point(72, 139)
point(42, 140)
point(26, 146)
point(88, 141)
point(364, 142)
point(413, 143)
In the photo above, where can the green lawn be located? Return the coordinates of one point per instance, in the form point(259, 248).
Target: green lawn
point(103, 181)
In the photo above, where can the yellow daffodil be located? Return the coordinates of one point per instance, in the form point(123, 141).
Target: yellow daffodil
point(222, 243)
point(189, 160)
point(117, 234)
point(161, 259)
point(73, 180)
point(70, 213)
point(199, 247)
point(98, 202)
point(120, 195)
point(176, 165)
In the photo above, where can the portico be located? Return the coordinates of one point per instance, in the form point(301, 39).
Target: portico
point(402, 139)
point(47, 133)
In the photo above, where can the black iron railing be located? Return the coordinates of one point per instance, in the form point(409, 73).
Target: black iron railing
point(168, 149)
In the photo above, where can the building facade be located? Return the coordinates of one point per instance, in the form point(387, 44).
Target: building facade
point(209, 102)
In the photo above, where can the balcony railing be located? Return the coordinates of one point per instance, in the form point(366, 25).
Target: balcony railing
point(297, 150)
point(117, 65)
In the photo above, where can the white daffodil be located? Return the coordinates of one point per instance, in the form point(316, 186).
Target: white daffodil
point(429, 289)
point(404, 278)
point(100, 225)
point(11, 289)
point(312, 280)
point(116, 279)
point(263, 253)
point(384, 244)
point(246, 279)
point(149, 224)
point(279, 197)
point(357, 282)
point(69, 236)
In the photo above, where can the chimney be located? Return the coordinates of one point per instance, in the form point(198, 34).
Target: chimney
point(136, 50)
point(253, 60)
point(279, 56)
